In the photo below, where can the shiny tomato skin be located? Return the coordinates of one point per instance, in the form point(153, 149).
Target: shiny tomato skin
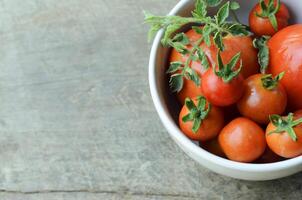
point(233, 45)
point(285, 49)
point(242, 140)
point(213, 147)
point(282, 144)
point(209, 127)
point(262, 26)
point(220, 93)
point(190, 89)
point(257, 102)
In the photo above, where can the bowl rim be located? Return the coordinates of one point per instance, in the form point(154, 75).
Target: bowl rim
point(176, 133)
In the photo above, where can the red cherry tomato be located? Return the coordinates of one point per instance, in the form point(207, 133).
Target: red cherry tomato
point(259, 102)
point(285, 49)
point(262, 25)
point(242, 140)
point(220, 93)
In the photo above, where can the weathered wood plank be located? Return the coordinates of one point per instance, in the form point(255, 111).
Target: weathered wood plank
point(76, 114)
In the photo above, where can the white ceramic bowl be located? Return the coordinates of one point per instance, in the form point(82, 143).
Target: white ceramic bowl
point(164, 106)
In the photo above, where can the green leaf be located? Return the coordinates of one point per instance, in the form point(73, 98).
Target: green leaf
point(207, 29)
point(176, 82)
point(234, 5)
point(152, 32)
point(190, 104)
point(179, 47)
point(194, 57)
point(200, 9)
point(192, 75)
point(197, 29)
point(196, 124)
point(203, 58)
point(223, 13)
point(238, 29)
point(174, 66)
point(263, 53)
point(272, 18)
point(218, 41)
point(234, 61)
point(213, 3)
point(181, 38)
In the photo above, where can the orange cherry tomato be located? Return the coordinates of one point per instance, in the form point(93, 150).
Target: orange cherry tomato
point(285, 49)
point(209, 126)
point(262, 25)
point(282, 143)
point(242, 140)
point(258, 102)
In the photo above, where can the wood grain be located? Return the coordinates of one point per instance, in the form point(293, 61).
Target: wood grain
point(76, 117)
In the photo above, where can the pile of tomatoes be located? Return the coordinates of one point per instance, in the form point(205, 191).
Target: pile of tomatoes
point(249, 116)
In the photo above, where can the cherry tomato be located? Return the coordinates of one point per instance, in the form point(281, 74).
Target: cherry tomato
point(285, 49)
point(213, 147)
point(233, 45)
point(261, 99)
point(280, 140)
point(209, 126)
point(242, 140)
point(190, 89)
point(220, 93)
point(263, 25)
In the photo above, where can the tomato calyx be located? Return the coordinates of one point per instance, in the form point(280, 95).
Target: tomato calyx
point(269, 11)
point(269, 82)
point(227, 72)
point(197, 113)
point(285, 124)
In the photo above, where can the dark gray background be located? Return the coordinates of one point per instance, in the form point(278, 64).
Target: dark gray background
point(76, 116)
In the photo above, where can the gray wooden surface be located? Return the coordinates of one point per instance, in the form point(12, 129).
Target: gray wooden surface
point(76, 117)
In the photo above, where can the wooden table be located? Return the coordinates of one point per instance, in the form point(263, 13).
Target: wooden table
point(76, 116)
